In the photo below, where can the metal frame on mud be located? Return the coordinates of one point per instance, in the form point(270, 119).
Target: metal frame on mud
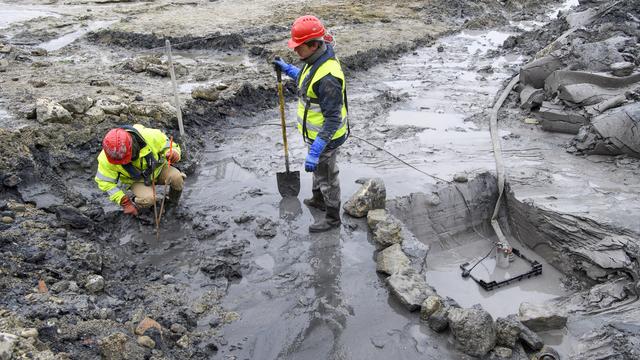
point(536, 269)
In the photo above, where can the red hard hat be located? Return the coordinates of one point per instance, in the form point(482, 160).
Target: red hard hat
point(305, 28)
point(117, 146)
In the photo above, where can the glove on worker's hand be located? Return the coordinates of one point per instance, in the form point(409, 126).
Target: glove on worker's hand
point(313, 157)
point(128, 207)
point(172, 156)
point(291, 70)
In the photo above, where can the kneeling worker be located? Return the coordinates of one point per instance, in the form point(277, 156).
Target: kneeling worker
point(133, 157)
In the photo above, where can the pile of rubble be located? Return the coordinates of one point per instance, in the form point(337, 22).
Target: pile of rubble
point(586, 82)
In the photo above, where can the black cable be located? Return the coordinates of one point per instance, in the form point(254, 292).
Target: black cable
point(467, 272)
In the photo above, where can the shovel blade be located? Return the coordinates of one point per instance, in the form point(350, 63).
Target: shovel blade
point(288, 183)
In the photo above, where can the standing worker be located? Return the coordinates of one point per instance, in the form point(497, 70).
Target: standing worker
point(133, 157)
point(322, 113)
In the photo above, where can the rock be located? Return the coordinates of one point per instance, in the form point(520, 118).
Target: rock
point(73, 217)
point(439, 321)
point(119, 346)
point(430, 305)
point(7, 343)
point(94, 115)
point(157, 69)
point(371, 195)
point(37, 83)
point(11, 180)
point(209, 93)
point(140, 64)
point(388, 232)
point(244, 218)
point(39, 52)
point(391, 260)
point(541, 317)
point(500, 352)
point(623, 68)
point(460, 178)
point(94, 284)
point(145, 324)
point(535, 73)
point(7, 220)
point(529, 338)
point(531, 97)
point(78, 104)
point(146, 342)
point(376, 216)
point(99, 83)
point(4, 65)
point(5, 48)
point(507, 332)
point(111, 107)
point(556, 118)
point(473, 329)
point(184, 342)
point(178, 328)
point(410, 288)
point(266, 227)
point(29, 333)
point(50, 111)
point(415, 250)
point(164, 113)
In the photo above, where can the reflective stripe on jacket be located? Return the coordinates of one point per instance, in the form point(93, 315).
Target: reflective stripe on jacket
point(310, 118)
point(115, 180)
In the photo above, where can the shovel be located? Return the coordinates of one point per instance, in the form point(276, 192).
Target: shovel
point(289, 181)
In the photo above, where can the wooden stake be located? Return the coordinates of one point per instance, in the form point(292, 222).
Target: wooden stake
point(175, 89)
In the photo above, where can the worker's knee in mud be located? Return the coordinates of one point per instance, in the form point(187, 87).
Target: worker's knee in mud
point(144, 201)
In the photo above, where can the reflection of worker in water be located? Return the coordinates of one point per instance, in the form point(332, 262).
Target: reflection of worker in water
point(322, 113)
point(133, 157)
point(328, 313)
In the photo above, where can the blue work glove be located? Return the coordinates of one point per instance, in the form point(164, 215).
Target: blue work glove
point(291, 70)
point(313, 157)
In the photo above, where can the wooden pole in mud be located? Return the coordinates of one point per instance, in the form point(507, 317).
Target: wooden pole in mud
point(175, 89)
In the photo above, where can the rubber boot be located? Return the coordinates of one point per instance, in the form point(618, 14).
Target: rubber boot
point(316, 201)
point(173, 198)
point(330, 221)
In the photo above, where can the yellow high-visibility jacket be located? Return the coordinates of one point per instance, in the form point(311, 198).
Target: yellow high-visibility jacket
point(309, 114)
point(115, 179)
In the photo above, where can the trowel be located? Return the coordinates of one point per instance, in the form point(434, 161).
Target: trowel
point(289, 181)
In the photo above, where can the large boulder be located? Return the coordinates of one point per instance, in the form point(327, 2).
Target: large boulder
point(48, 110)
point(164, 113)
point(371, 195)
point(391, 260)
point(388, 232)
point(507, 332)
point(112, 107)
point(473, 329)
point(541, 317)
point(77, 104)
point(410, 288)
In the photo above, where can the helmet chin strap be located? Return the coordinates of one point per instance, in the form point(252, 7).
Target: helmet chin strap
point(135, 148)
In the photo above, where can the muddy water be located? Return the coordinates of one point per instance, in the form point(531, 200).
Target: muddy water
point(70, 37)
point(12, 13)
